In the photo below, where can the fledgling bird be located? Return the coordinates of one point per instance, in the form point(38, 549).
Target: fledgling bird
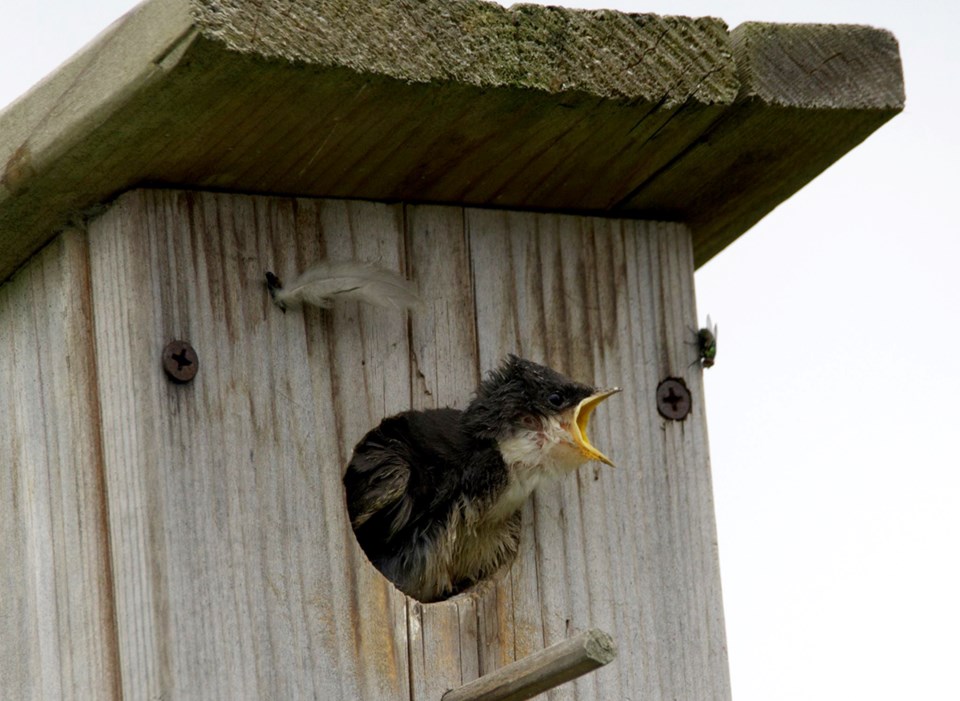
point(435, 496)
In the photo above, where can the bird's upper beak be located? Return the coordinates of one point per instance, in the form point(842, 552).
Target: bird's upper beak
point(581, 417)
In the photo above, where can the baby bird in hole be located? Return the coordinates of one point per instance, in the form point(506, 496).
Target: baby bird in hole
point(435, 496)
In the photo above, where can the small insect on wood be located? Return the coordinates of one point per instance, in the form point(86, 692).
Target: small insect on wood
point(706, 344)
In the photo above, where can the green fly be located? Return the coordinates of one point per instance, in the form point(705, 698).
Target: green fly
point(706, 344)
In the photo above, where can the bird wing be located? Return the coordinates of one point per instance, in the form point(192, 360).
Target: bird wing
point(377, 483)
point(402, 478)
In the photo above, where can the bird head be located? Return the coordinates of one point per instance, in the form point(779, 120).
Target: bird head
point(548, 413)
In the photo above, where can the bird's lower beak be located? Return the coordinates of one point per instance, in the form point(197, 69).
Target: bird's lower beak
point(581, 417)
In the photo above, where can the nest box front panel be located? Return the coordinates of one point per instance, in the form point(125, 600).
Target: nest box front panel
point(236, 570)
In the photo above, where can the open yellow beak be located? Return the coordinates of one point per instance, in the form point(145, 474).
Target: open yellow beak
point(581, 417)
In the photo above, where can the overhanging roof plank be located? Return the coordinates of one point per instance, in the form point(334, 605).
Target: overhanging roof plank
point(458, 101)
point(809, 94)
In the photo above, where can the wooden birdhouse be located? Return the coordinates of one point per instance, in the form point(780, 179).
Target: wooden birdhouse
point(173, 444)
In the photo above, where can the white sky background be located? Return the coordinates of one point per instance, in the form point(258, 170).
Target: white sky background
point(833, 407)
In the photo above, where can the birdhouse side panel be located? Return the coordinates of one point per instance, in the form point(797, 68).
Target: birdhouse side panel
point(632, 549)
point(56, 605)
point(236, 573)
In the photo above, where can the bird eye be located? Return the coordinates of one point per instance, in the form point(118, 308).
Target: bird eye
point(556, 399)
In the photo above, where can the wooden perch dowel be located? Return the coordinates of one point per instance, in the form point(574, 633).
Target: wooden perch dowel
point(540, 671)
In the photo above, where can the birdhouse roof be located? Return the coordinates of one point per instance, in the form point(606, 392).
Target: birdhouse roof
point(445, 101)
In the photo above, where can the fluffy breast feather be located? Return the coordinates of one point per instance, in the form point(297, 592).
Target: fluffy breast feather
point(532, 456)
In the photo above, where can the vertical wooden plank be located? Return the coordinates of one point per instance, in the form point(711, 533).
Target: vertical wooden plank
point(443, 636)
point(443, 332)
point(236, 571)
point(581, 508)
point(504, 267)
point(551, 282)
point(56, 604)
point(359, 358)
point(618, 293)
point(495, 622)
point(633, 548)
point(512, 319)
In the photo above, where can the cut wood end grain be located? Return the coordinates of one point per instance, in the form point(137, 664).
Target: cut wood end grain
point(462, 102)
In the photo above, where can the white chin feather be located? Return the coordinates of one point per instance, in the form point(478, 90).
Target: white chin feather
point(533, 456)
point(328, 283)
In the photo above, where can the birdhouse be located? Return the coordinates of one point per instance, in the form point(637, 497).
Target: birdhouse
point(173, 444)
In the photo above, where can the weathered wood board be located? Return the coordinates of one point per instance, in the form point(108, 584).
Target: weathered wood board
point(57, 634)
point(236, 573)
point(543, 670)
point(231, 569)
point(465, 102)
point(612, 301)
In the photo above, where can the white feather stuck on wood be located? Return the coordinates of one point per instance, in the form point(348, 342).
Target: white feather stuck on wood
point(328, 283)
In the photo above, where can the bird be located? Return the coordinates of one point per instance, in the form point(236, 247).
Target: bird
point(435, 496)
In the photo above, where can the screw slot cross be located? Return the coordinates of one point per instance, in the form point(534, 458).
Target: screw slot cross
point(673, 399)
point(180, 361)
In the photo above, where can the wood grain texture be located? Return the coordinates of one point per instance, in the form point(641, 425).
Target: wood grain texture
point(231, 569)
point(237, 575)
point(809, 93)
point(541, 671)
point(443, 333)
point(465, 103)
point(56, 607)
point(610, 301)
point(404, 100)
point(443, 639)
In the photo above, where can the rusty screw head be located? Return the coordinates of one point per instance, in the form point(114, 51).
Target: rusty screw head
point(673, 399)
point(180, 361)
